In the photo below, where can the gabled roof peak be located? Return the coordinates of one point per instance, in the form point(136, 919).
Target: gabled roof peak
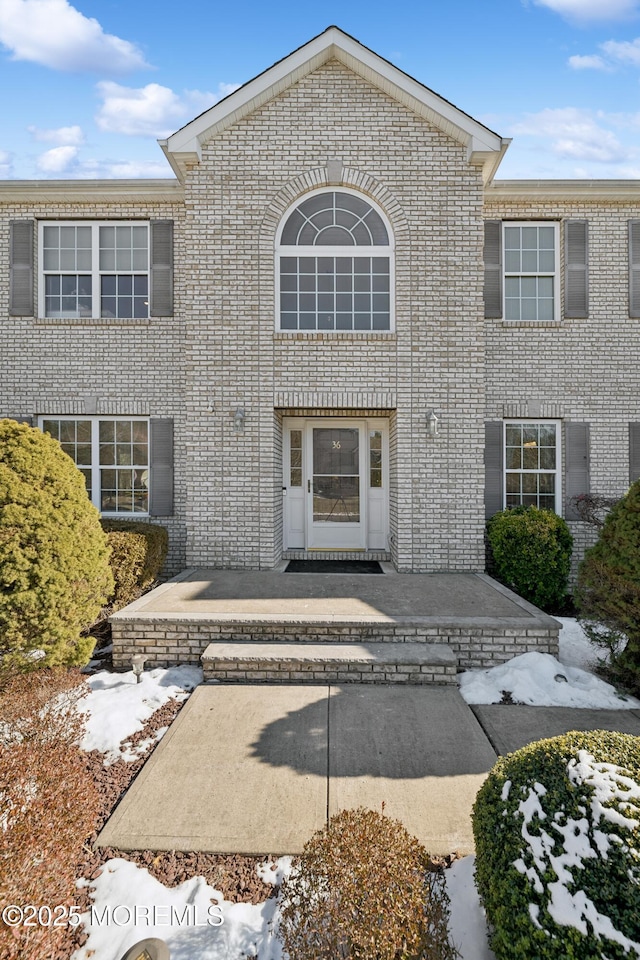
point(483, 145)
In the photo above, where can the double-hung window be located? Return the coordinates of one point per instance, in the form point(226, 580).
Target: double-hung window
point(113, 455)
point(94, 269)
point(335, 265)
point(532, 464)
point(530, 271)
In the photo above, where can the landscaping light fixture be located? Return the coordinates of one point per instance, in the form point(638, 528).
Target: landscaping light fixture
point(238, 419)
point(432, 424)
point(151, 949)
point(138, 661)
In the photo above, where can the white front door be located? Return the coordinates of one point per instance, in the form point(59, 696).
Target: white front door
point(335, 484)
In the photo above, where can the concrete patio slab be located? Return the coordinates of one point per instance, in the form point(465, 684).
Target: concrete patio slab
point(274, 593)
point(204, 788)
point(481, 620)
point(254, 769)
point(420, 751)
point(512, 726)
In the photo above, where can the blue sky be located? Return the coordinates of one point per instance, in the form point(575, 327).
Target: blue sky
point(87, 88)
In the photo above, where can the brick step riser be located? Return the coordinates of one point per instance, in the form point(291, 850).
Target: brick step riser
point(318, 673)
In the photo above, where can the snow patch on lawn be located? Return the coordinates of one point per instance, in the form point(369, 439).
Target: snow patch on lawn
point(538, 679)
point(467, 923)
point(117, 706)
point(193, 919)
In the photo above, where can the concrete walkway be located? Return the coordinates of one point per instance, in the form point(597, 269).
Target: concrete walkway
point(256, 770)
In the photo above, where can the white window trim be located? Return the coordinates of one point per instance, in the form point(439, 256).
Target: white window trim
point(95, 466)
point(330, 251)
point(556, 268)
point(558, 472)
point(96, 273)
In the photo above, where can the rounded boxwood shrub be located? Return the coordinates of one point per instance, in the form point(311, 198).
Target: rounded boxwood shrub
point(138, 552)
point(531, 553)
point(363, 889)
point(54, 559)
point(557, 833)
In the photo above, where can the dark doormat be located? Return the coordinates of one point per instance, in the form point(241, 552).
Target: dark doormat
point(333, 566)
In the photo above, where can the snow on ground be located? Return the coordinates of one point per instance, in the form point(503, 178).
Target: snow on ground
point(118, 706)
point(129, 904)
point(538, 679)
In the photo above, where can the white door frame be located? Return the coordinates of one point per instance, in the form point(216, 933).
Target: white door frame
point(299, 530)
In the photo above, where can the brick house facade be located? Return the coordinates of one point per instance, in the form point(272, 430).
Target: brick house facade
point(218, 356)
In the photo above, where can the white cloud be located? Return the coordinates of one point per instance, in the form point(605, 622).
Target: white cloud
point(123, 170)
point(6, 164)
point(625, 52)
point(65, 136)
point(583, 11)
point(616, 52)
point(225, 89)
point(55, 34)
point(592, 62)
point(57, 160)
point(153, 110)
point(575, 134)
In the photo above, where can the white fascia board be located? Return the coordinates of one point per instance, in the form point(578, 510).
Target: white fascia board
point(333, 43)
point(596, 191)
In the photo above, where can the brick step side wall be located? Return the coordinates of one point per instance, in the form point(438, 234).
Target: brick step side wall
point(167, 642)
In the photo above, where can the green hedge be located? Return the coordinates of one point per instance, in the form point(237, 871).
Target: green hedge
point(531, 553)
point(557, 833)
point(138, 553)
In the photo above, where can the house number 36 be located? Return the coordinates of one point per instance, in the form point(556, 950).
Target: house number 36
point(336, 444)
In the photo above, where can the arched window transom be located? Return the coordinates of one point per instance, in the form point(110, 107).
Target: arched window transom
point(335, 288)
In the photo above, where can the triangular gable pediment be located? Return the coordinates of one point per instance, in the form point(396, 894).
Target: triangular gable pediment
point(483, 145)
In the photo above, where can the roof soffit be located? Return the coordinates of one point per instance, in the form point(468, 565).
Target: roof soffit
point(483, 145)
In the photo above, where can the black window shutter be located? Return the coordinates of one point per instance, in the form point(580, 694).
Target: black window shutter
point(634, 452)
point(634, 268)
point(493, 467)
point(493, 269)
point(576, 456)
point(161, 467)
point(21, 268)
point(161, 268)
point(576, 260)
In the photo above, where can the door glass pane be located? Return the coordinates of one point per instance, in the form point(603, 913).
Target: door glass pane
point(336, 499)
point(335, 451)
point(295, 468)
point(375, 458)
point(336, 475)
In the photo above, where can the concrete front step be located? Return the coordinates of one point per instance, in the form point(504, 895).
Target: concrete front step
point(330, 663)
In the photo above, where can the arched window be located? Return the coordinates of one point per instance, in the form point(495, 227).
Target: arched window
point(335, 287)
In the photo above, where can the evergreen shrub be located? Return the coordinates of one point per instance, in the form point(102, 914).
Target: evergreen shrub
point(557, 835)
point(363, 889)
point(138, 554)
point(54, 559)
point(530, 553)
point(608, 589)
